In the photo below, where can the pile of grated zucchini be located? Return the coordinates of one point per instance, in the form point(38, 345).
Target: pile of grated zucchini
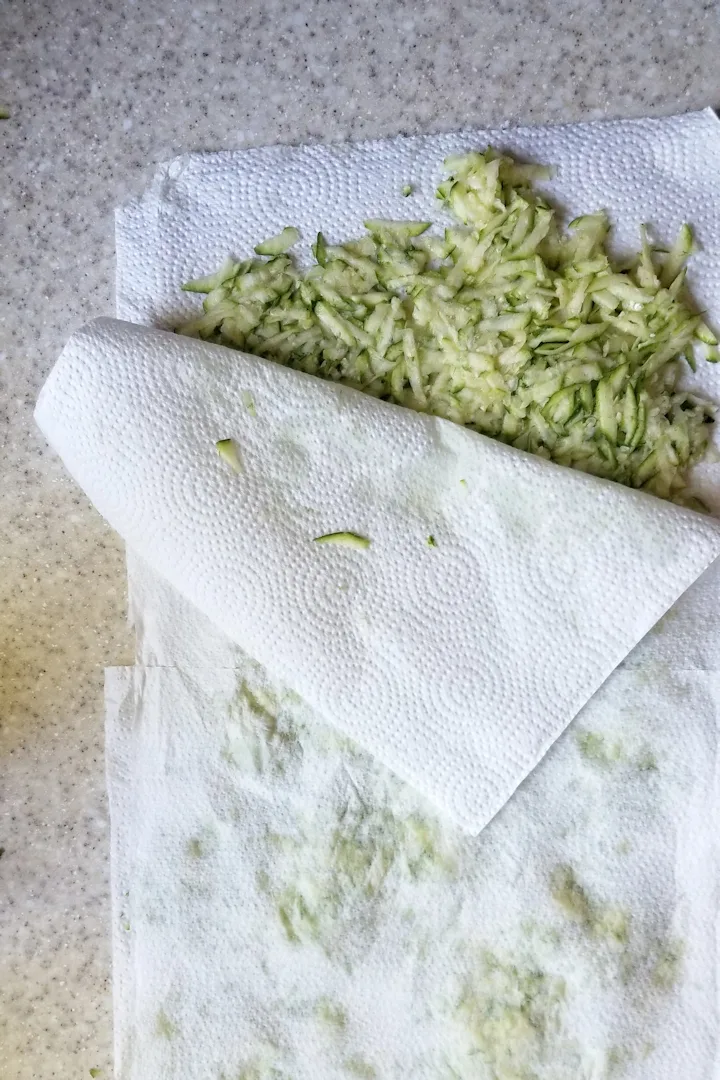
point(505, 324)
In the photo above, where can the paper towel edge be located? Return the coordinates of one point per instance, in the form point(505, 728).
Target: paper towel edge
point(530, 461)
point(536, 757)
point(503, 127)
point(119, 687)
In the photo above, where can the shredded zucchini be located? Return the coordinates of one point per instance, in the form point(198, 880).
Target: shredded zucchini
point(277, 245)
point(504, 323)
point(215, 281)
point(344, 539)
point(227, 450)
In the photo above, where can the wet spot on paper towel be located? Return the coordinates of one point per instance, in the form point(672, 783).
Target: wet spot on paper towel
point(195, 848)
point(603, 921)
point(646, 761)
point(356, 1066)
point(258, 1069)
point(512, 1016)
point(260, 735)
point(604, 753)
point(331, 1013)
point(164, 1026)
point(666, 964)
point(199, 850)
point(332, 880)
point(619, 1058)
point(663, 678)
point(644, 959)
point(595, 748)
point(544, 935)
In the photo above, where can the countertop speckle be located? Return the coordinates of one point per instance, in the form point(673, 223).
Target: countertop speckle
point(98, 95)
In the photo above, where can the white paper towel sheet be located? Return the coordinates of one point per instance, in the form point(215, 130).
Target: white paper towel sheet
point(643, 840)
point(457, 664)
point(286, 909)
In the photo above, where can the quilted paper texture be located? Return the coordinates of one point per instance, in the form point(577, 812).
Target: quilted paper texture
point(201, 207)
point(457, 665)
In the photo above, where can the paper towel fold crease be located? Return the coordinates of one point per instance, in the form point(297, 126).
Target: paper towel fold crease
point(457, 665)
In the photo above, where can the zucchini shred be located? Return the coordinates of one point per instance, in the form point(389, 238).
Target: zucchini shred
point(505, 323)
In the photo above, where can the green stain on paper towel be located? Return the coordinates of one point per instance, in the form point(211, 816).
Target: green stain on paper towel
point(258, 1072)
point(195, 848)
point(263, 1066)
point(601, 752)
point(262, 706)
point(569, 894)
point(667, 963)
point(334, 877)
point(513, 1014)
point(618, 1059)
point(298, 914)
point(596, 749)
point(164, 1026)
point(603, 921)
point(646, 761)
point(641, 962)
point(261, 734)
point(331, 1013)
point(357, 1066)
point(668, 618)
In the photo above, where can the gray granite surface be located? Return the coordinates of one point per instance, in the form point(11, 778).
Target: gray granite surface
point(98, 94)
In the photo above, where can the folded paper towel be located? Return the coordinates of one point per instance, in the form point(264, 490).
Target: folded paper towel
point(457, 665)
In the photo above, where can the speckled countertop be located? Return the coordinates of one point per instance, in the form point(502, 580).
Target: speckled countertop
point(98, 95)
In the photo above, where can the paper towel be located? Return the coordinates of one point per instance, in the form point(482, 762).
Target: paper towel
point(285, 909)
point(457, 664)
point(200, 207)
point(638, 839)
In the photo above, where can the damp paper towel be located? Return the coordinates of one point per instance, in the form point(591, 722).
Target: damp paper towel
point(644, 927)
point(284, 908)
